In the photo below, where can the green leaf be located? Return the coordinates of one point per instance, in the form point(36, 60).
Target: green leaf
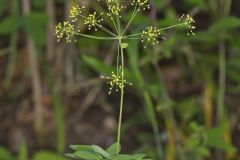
point(46, 155)
point(204, 37)
point(9, 24)
point(203, 151)
point(216, 132)
point(38, 4)
point(138, 156)
point(100, 151)
point(124, 45)
point(98, 65)
point(105, 69)
point(35, 26)
point(3, 6)
point(71, 155)
point(192, 143)
point(219, 144)
point(82, 147)
point(5, 154)
point(195, 3)
point(113, 149)
point(23, 152)
point(228, 23)
point(87, 155)
point(121, 157)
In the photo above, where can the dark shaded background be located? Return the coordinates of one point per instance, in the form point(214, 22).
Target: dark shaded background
point(186, 92)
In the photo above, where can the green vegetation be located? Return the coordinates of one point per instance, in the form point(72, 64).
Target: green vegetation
point(173, 87)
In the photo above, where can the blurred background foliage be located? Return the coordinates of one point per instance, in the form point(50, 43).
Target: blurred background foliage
point(184, 103)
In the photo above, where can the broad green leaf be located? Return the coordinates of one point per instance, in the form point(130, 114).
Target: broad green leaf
point(46, 155)
point(124, 45)
point(113, 149)
point(121, 157)
point(138, 156)
point(71, 155)
point(82, 147)
point(100, 151)
point(88, 155)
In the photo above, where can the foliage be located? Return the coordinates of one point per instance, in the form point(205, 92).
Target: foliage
point(184, 124)
point(70, 29)
point(5, 154)
point(93, 152)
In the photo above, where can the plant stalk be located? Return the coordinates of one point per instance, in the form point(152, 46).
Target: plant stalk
point(121, 98)
point(222, 81)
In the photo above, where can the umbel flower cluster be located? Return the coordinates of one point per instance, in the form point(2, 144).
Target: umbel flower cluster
point(151, 35)
point(116, 80)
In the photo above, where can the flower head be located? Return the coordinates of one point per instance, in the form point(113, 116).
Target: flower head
point(93, 21)
point(114, 8)
point(65, 29)
point(142, 4)
point(189, 22)
point(115, 81)
point(151, 35)
point(75, 12)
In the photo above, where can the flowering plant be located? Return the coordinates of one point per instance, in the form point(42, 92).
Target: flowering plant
point(151, 35)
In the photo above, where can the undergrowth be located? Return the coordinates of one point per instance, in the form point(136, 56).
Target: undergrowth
point(70, 30)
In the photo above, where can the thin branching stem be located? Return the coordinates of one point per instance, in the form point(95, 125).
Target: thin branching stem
point(118, 50)
point(121, 98)
point(131, 19)
point(96, 37)
point(132, 35)
point(101, 27)
point(173, 26)
point(106, 30)
point(112, 19)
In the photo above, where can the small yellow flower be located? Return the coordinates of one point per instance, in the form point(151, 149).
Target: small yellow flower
point(114, 8)
point(92, 21)
point(189, 22)
point(75, 12)
point(142, 4)
point(65, 29)
point(151, 35)
point(115, 81)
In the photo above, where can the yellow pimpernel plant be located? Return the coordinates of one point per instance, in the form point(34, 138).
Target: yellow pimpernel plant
point(151, 35)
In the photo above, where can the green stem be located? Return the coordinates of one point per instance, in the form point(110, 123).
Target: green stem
point(131, 19)
point(180, 24)
point(222, 80)
point(106, 30)
point(101, 27)
point(121, 98)
point(96, 37)
point(112, 19)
